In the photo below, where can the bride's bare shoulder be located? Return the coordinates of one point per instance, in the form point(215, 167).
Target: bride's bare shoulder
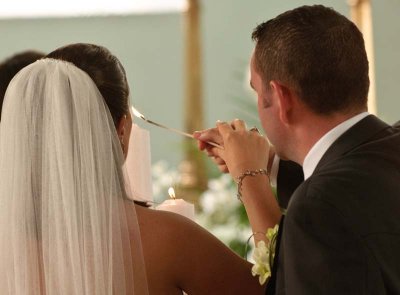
point(161, 224)
point(190, 257)
point(163, 237)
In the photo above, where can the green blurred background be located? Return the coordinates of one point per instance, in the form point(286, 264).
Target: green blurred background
point(151, 47)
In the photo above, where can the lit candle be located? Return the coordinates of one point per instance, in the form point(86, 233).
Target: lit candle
point(178, 206)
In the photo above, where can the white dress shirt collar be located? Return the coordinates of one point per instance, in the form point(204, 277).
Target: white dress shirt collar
point(322, 145)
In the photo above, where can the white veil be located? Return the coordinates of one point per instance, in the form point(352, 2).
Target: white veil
point(63, 222)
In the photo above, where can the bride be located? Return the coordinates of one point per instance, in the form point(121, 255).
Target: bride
point(66, 224)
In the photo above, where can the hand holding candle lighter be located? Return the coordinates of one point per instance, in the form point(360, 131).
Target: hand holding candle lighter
point(178, 206)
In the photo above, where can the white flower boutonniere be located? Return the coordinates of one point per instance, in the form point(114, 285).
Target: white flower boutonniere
point(264, 255)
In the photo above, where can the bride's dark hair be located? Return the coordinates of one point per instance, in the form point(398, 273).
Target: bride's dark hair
point(105, 70)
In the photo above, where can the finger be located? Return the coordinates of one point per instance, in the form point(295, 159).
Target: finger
point(213, 151)
point(202, 145)
point(238, 124)
point(219, 161)
point(223, 168)
point(209, 135)
point(197, 134)
point(223, 128)
point(210, 152)
point(255, 129)
point(217, 152)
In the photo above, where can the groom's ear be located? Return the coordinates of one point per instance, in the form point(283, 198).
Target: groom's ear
point(285, 100)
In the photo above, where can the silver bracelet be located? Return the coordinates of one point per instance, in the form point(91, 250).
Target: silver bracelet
point(239, 179)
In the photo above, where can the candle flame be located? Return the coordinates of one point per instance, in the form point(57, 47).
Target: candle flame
point(171, 193)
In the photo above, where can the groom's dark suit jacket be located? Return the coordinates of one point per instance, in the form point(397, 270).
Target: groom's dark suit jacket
point(341, 234)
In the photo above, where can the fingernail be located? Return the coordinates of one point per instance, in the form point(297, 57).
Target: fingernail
point(196, 134)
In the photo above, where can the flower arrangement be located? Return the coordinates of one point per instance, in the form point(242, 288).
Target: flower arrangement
point(224, 216)
point(264, 255)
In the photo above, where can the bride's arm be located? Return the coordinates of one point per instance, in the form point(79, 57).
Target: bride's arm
point(243, 151)
point(182, 254)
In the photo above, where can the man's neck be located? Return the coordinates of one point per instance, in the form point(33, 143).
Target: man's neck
point(314, 128)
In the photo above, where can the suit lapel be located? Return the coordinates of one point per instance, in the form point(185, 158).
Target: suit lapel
point(355, 136)
point(271, 285)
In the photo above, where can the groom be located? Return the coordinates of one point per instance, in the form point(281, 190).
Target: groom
point(341, 233)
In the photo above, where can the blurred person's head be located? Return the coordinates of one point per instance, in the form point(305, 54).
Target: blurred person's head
point(12, 65)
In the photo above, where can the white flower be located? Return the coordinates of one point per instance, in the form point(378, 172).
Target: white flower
point(264, 255)
point(261, 266)
point(219, 195)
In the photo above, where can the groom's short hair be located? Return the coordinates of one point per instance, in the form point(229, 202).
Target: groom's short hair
point(12, 65)
point(317, 52)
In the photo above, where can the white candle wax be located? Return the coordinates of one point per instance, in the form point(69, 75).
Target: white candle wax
point(178, 206)
point(138, 166)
